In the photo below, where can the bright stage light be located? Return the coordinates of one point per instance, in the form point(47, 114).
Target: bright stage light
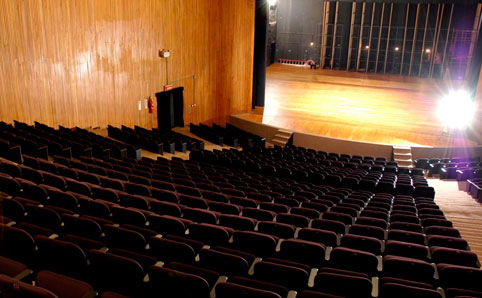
point(427, 51)
point(456, 109)
point(397, 49)
point(367, 47)
point(272, 2)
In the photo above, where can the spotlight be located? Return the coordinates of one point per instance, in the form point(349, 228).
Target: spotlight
point(312, 43)
point(427, 51)
point(367, 47)
point(272, 2)
point(456, 109)
point(397, 49)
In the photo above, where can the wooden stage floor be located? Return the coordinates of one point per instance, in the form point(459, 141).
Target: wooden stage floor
point(371, 108)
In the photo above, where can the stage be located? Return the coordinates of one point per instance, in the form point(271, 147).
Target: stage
point(382, 109)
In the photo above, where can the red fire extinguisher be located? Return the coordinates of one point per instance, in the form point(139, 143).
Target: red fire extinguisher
point(150, 105)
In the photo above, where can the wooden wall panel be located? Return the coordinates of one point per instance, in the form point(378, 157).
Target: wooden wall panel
point(89, 62)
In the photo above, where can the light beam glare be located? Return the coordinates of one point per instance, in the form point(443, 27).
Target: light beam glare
point(456, 109)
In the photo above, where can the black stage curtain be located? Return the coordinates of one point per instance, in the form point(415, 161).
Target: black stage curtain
point(170, 107)
point(260, 43)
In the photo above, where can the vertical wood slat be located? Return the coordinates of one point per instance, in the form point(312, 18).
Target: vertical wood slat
point(334, 36)
point(360, 42)
point(473, 39)
point(350, 41)
point(326, 19)
point(88, 63)
point(442, 71)
point(404, 38)
point(370, 38)
point(417, 18)
point(380, 37)
point(388, 38)
point(424, 39)
point(438, 26)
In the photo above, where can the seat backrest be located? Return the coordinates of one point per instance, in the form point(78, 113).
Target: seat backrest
point(302, 251)
point(231, 290)
point(10, 267)
point(343, 284)
point(115, 273)
point(355, 260)
point(395, 290)
point(176, 283)
point(293, 278)
point(13, 288)
point(63, 286)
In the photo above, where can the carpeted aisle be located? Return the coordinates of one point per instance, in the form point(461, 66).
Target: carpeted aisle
point(460, 208)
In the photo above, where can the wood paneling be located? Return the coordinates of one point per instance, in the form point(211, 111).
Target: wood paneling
point(89, 62)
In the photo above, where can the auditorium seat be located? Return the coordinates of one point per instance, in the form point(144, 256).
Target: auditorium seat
point(329, 224)
point(364, 243)
point(81, 226)
point(395, 290)
point(446, 241)
point(64, 286)
point(354, 260)
point(223, 262)
point(406, 226)
point(277, 229)
point(406, 236)
point(13, 268)
point(166, 225)
point(237, 222)
point(405, 249)
point(174, 283)
point(210, 276)
point(459, 277)
point(210, 234)
point(258, 214)
point(371, 221)
point(128, 216)
point(11, 287)
point(343, 283)
point(232, 290)
point(408, 268)
point(110, 272)
point(119, 237)
point(454, 256)
point(260, 244)
point(168, 250)
point(369, 231)
point(293, 278)
point(443, 231)
point(303, 251)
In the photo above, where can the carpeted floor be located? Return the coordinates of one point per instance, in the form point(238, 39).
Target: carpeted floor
point(460, 208)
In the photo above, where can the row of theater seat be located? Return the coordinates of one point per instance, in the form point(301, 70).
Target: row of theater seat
point(451, 168)
point(177, 163)
point(364, 175)
point(42, 141)
point(154, 140)
point(473, 187)
point(229, 135)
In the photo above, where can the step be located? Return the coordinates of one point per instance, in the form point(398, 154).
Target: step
point(279, 136)
point(278, 142)
point(402, 155)
point(284, 131)
point(402, 149)
point(405, 163)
